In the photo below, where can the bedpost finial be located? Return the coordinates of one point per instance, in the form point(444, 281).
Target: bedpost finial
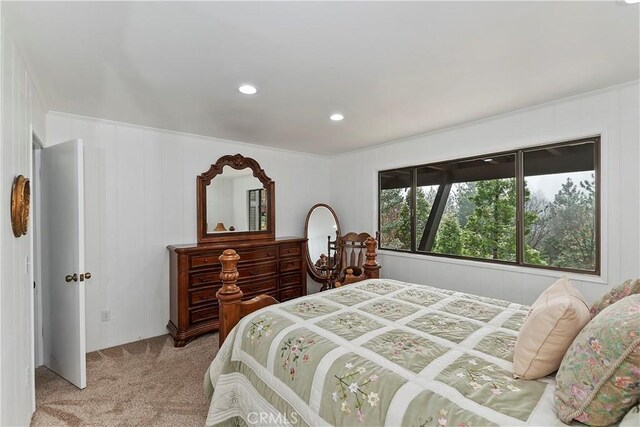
point(371, 266)
point(371, 251)
point(229, 274)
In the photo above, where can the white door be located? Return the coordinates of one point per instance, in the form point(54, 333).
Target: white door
point(63, 269)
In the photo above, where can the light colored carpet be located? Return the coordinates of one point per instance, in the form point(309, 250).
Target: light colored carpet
point(145, 383)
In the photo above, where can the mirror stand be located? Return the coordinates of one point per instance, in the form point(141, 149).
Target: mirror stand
point(320, 226)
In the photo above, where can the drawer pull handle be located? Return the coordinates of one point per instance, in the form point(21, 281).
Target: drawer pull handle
point(206, 260)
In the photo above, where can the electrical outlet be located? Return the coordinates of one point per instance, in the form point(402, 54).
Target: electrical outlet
point(106, 315)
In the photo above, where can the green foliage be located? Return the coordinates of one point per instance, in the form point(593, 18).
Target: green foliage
point(571, 238)
point(480, 221)
point(537, 225)
point(404, 231)
point(395, 216)
point(490, 230)
point(424, 202)
point(449, 237)
point(464, 203)
point(392, 219)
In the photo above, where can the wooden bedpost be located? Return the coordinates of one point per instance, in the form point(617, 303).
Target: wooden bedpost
point(371, 267)
point(230, 294)
point(232, 308)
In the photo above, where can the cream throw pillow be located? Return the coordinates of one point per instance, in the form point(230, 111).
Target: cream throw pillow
point(554, 320)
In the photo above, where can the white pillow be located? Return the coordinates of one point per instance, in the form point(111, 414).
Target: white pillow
point(554, 320)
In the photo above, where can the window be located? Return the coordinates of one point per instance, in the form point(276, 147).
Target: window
point(395, 207)
point(257, 210)
point(537, 207)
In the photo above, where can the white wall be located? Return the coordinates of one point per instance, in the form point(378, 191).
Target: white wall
point(241, 187)
point(612, 112)
point(21, 111)
point(220, 203)
point(140, 195)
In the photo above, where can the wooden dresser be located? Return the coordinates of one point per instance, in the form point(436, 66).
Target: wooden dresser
point(275, 267)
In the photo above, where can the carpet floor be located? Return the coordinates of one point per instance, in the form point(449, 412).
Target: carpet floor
point(145, 383)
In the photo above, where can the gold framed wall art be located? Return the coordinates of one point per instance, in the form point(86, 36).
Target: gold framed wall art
point(20, 200)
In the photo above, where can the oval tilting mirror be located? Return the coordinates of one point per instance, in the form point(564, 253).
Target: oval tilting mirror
point(321, 229)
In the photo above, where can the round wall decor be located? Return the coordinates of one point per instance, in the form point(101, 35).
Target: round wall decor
point(20, 198)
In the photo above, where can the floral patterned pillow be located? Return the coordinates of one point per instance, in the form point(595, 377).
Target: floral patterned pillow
point(599, 378)
point(630, 287)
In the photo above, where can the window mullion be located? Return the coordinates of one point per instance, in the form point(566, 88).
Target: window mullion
point(414, 207)
point(520, 207)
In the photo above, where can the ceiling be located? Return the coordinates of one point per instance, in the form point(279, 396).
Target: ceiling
point(394, 69)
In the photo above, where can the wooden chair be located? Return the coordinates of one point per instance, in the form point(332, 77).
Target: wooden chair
point(356, 254)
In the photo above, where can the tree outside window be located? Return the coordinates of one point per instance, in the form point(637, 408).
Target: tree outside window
point(470, 208)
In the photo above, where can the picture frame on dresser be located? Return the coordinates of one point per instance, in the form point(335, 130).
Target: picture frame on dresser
point(267, 265)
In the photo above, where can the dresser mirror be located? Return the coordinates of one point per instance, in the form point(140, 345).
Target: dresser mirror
point(236, 201)
point(321, 229)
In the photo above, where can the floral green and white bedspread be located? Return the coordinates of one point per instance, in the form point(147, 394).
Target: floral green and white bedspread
point(378, 352)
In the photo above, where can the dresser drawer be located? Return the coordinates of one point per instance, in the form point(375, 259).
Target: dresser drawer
point(246, 272)
point(291, 249)
point(291, 293)
point(287, 280)
point(207, 259)
point(260, 286)
point(210, 278)
point(203, 296)
point(256, 270)
point(290, 265)
point(266, 253)
point(210, 258)
point(203, 314)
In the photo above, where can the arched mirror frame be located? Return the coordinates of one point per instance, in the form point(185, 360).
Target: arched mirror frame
point(311, 263)
point(238, 162)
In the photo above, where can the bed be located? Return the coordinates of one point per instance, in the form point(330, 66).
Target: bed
point(376, 352)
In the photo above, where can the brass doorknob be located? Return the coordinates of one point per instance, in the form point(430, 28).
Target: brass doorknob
point(69, 278)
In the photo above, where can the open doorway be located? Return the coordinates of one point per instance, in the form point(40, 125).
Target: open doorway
point(36, 220)
point(58, 259)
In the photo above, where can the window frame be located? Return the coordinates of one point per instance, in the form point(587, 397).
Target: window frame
point(520, 206)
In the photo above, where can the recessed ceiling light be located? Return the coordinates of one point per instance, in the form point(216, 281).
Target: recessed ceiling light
point(488, 160)
point(336, 117)
point(248, 90)
point(632, 1)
